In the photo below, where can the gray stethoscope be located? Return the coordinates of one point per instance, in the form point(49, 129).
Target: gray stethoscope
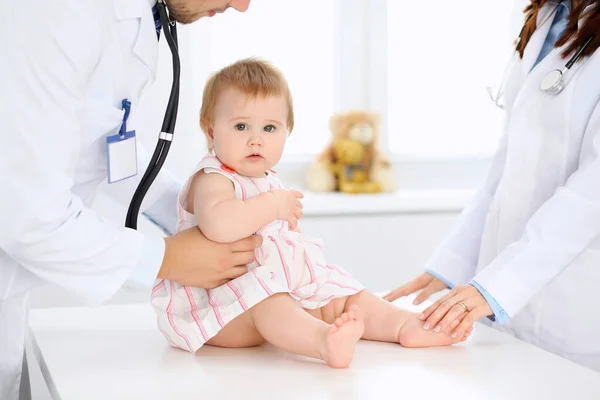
point(552, 83)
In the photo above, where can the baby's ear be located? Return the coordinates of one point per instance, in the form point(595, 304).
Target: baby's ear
point(210, 137)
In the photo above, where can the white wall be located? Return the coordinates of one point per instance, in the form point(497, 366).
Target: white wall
point(382, 251)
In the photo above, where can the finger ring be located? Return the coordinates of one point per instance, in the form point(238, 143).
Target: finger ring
point(464, 306)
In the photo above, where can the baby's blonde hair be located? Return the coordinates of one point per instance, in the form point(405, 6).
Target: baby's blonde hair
point(251, 76)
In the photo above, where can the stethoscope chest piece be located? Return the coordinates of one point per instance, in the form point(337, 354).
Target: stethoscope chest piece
point(553, 82)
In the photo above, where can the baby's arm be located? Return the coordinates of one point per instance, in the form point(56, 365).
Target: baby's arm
point(224, 218)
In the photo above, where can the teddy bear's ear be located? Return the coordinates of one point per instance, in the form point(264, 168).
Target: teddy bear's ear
point(335, 122)
point(375, 119)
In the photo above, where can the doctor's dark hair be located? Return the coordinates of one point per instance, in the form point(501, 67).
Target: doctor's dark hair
point(251, 76)
point(573, 37)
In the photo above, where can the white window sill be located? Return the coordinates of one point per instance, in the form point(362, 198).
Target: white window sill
point(402, 201)
point(426, 186)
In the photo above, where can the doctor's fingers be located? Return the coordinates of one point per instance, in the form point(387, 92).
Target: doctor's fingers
point(227, 275)
point(408, 288)
point(456, 323)
point(466, 326)
point(435, 313)
point(467, 333)
point(234, 272)
point(452, 319)
point(241, 258)
point(247, 244)
point(433, 287)
point(439, 302)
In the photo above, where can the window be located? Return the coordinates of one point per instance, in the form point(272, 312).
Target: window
point(441, 56)
point(423, 67)
point(298, 38)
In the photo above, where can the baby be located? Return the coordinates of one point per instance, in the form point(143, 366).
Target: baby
point(290, 296)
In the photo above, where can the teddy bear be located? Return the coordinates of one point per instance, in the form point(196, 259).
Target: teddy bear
point(351, 162)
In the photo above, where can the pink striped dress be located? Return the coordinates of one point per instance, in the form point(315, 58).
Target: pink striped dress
point(287, 262)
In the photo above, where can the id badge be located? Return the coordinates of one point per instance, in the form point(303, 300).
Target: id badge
point(121, 151)
point(121, 156)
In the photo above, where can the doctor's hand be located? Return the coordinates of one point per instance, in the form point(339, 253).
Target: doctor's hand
point(425, 281)
point(456, 312)
point(193, 260)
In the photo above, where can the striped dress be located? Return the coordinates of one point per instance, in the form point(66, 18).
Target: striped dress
point(287, 262)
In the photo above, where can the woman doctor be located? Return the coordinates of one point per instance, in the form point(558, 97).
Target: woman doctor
point(66, 68)
point(526, 251)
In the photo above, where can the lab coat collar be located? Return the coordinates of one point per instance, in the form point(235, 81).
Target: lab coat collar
point(146, 45)
point(543, 23)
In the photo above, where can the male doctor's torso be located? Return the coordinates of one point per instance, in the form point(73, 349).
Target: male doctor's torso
point(68, 67)
point(538, 214)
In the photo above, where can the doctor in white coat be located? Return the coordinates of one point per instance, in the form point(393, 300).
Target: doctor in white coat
point(526, 252)
point(65, 69)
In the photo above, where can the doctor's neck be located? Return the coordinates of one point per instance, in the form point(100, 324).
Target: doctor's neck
point(575, 35)
point(188, 11)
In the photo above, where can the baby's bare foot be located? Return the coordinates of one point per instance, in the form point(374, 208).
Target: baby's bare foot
point(412, 334)
point(342, 336)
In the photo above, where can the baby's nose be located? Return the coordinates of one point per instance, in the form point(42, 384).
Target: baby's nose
point(255, 141)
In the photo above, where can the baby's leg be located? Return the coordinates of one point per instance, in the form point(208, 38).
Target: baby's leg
point(387, 323)
point(240, 332)
point(285, 324)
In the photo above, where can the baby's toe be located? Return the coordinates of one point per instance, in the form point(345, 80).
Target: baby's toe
point(354, 312)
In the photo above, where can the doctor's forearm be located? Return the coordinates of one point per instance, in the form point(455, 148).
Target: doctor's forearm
point(80, 251)
point(555, 236)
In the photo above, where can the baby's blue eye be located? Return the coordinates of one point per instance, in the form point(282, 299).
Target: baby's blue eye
point(241, 127)
point(269, 128)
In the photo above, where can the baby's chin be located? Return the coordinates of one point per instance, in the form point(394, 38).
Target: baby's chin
point(254, 169)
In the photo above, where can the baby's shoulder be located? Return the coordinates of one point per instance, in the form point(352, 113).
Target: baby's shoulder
point(209, 165)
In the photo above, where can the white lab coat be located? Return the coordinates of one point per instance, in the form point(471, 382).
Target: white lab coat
point(65, 68)
point(531, 236)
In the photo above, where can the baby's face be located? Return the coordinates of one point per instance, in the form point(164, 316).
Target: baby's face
point(248, 134)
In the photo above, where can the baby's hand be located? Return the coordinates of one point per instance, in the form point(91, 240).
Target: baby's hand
point(289, 207)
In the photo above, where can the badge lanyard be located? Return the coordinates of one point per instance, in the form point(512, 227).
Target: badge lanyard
point(121, 150)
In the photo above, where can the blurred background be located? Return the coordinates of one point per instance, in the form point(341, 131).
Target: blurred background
point(423, 67)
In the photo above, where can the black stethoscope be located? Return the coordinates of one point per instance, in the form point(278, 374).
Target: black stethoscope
point(552, 83)
point(166, 135)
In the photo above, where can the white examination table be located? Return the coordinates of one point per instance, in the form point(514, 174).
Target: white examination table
point(116, 352)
